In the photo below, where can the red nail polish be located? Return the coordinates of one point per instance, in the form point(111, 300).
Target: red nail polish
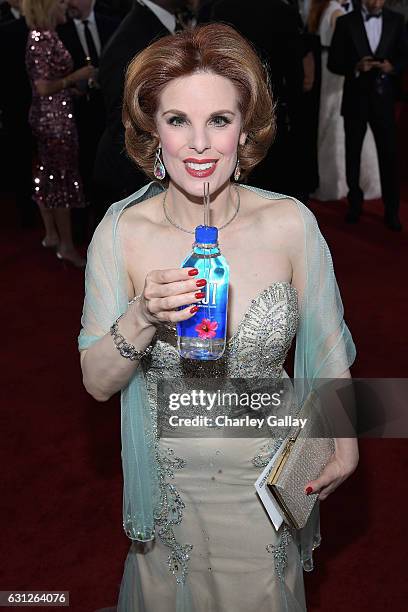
point(309, 490)
point(193, 272)
point(201, 282)
point(199, 295)
point(193, 309)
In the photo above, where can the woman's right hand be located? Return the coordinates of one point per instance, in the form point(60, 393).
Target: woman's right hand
point(167, 290)
point(83, 74)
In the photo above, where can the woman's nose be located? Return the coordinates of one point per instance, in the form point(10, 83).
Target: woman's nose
point(199, 140)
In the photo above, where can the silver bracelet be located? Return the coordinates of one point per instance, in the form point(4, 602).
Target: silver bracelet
point(125, 349)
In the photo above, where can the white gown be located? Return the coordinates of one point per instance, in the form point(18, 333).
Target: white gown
point(212, 526)
point(331, 138)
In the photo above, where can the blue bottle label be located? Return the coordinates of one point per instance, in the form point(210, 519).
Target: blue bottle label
point(209, 322)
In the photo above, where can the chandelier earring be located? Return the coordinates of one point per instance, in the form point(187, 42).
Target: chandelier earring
point(159, 170)
point(237, 171)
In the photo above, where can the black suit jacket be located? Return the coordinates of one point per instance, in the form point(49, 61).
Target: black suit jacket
point(139, 28)
point(113, 169)
point(5, 13)
point(15, 93)
point(367, 92)
point(114, 8)
point(68, 34)
point(273, 27)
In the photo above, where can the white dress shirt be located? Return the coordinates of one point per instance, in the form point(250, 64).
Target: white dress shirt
point(94, 33)
point(167, 19)
point(373, 28)
point(15, 12)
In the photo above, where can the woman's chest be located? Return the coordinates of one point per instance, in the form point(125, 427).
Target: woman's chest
point(252, 269)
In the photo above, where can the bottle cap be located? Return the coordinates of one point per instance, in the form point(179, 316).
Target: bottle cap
point(206, 234)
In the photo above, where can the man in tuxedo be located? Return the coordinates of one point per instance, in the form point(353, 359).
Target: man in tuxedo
point(274, 28)
point(116, 175)
point(85, 36)
point(369, 48)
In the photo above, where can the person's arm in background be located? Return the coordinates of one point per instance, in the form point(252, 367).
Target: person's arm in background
point(47, 88)
point(337, 60)
point(400, 61)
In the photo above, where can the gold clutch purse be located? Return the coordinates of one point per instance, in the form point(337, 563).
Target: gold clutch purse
point(304, 455)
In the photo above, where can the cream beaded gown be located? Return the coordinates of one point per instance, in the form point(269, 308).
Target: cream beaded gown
point(212, 526)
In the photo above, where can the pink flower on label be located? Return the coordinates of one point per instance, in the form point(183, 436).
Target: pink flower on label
point(206, 329)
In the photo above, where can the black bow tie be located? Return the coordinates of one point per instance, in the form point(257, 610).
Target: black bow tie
point(346, 6)
point(373, 16)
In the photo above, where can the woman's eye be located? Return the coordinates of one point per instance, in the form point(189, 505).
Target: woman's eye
point(177, 121)
point(220, 121)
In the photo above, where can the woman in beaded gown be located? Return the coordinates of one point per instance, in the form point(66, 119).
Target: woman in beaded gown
point(57, 184)
point(198, 108)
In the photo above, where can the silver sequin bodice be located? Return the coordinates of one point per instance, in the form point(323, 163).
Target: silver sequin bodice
point(258, 348)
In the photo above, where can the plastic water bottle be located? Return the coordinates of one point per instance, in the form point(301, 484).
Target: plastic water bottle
point(203, 335)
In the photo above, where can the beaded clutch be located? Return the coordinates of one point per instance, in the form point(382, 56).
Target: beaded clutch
point(304, 455)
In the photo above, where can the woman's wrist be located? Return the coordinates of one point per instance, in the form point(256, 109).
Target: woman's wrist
point(347, 451)
point(136, 328)
point(137, 313)
point(66, 83)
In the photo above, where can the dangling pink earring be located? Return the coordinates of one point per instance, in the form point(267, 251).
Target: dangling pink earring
point(159, 170)
point(237, 171)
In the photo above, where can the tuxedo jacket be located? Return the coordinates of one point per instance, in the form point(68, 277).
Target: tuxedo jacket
point(273, 27)
point(114, 8)
point(6, 13)
point(67, 32)
point(137, 30)
point(15, 94)
point(369, 91)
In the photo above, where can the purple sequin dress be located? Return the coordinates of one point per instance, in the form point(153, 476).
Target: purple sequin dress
point(57, 181)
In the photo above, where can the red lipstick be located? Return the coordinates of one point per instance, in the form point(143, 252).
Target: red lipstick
point(200, 172)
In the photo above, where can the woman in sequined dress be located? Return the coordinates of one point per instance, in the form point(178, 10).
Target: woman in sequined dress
point(57, 185)
point(197, 109)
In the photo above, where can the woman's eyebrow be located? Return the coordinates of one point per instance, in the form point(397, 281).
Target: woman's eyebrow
point(174, 111)
point(223, 112)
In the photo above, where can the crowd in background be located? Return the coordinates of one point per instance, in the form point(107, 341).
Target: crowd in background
point(63, 64)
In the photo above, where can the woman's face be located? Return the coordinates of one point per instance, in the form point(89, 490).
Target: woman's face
point(60, 11)
point(199, 127)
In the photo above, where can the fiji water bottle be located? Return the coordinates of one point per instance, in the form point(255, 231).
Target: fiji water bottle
point(203, 335)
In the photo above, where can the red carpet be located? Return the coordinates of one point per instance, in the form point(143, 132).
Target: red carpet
point(60, 452)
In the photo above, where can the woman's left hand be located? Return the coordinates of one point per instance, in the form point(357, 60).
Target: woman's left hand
point(342, 464)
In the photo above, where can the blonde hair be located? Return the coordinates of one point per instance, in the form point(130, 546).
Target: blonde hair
point(37, 13)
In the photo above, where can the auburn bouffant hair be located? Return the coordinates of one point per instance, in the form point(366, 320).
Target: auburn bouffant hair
point(215, 48)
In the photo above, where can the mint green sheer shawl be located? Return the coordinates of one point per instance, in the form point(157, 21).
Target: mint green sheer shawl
point(324, 349)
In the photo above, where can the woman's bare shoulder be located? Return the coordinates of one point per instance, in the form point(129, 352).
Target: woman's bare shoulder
point(278, 213)
point(140, 220)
